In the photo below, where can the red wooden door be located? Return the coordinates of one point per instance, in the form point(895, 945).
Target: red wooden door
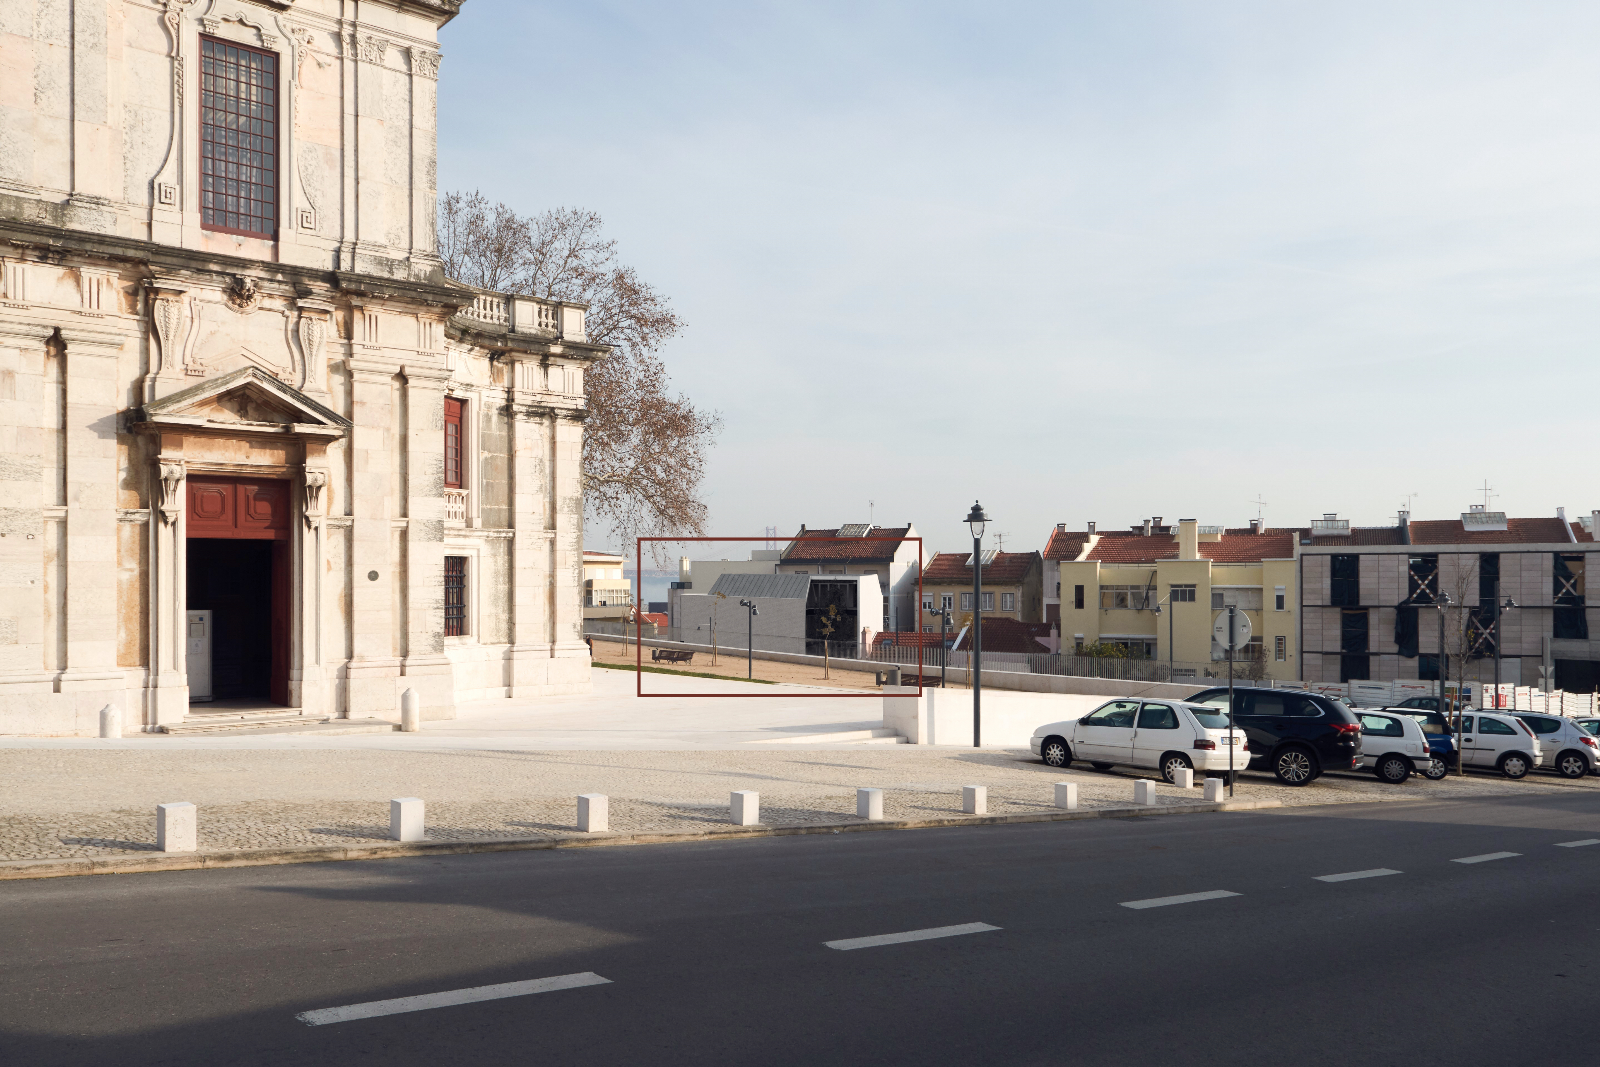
point(254, 508)
point(278, 684)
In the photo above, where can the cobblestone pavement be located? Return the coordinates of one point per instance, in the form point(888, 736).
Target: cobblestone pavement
point(64, 803)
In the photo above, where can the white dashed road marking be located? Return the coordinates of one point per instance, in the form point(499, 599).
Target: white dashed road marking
point(1186, 898)
point(372, 1009)
point(910, 935)
point(1578, 844)
point(1376, 872)
point(1486, 857)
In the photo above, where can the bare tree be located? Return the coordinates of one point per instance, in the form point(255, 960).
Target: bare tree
point(645, 446)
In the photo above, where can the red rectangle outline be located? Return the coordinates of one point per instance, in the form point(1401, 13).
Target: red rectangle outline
point(638, 601)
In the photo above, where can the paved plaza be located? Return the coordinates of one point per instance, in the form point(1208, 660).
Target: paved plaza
point(514, 770)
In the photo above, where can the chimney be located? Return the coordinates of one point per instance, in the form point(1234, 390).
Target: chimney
point(1091, 524)
point(1188, 539)
point(1062, 527)
point(1147, 527)
point(1156, 523)
point(1594, 525)
point(1255, 526)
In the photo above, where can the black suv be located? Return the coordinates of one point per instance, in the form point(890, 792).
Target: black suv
point(1294, 734)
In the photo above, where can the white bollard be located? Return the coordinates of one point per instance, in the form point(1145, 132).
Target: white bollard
point(1067, 795)
point(975, 799)
point(406, 819)
point(1183, 778)
point(1214, 790)
point(110, 721)
point(177, 828)
point(1144, 792)
point(744, 807)
point(869, 804)
point(594, 813)
point(410, 712)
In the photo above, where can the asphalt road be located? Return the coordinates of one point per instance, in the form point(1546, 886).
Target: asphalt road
point(715, 953)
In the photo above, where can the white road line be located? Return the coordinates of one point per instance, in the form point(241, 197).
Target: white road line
point(1486, 857)
point(1186, 898)
point(1578, 844)
point(1350, 876)
point(910, 935)
point(372, 1009)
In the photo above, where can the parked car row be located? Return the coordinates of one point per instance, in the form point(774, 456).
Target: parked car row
point(1299, 736)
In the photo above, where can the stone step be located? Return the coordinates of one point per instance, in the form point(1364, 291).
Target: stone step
point(197, 717)
point(324, 727)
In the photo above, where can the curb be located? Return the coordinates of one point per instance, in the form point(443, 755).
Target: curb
point(16, 870)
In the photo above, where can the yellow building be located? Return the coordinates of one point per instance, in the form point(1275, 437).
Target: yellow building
point(1110, 590)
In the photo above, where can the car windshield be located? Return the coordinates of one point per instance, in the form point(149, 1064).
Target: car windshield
point(1211, 718)
point(1432, 722)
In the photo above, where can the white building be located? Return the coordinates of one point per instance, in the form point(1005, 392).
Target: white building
point(792, 613)
point(239, 403)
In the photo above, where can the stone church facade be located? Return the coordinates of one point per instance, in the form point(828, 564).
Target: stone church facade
point(253, 445)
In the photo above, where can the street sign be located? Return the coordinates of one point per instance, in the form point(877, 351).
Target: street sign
point(1241, 629)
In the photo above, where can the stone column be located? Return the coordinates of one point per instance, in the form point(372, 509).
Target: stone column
point(308, 688)
point(374, 663)
point(93, 398)
point(425, 666)
point(567, 650)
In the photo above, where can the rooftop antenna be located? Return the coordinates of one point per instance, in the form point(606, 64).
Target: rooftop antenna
point(1488, 494)
point(870, 505)
point(1000, 540)
point(1409, 498)
point(1259, 503)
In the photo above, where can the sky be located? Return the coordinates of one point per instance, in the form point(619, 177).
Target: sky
point(1081, 260)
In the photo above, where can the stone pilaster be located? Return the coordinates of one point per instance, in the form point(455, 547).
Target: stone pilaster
point(375, 661)
point(425, 666)
point(532, 533)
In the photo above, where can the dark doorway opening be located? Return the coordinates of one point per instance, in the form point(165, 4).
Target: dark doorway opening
point(244, 583)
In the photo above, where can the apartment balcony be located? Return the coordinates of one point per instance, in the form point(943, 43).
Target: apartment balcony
point(455, 507)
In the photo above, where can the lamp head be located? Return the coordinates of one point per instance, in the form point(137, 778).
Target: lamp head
point(976, 519)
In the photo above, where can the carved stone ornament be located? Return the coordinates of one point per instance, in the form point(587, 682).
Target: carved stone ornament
point(315, 480)
point(424, 64)
point(172, 473)
point(373, 48)
point(167, 314)
point(244, 294)
point(313, 335)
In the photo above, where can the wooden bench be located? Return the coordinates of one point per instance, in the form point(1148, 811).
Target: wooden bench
point(671, 655)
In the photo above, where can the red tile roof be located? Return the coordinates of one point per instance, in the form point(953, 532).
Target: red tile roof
point(815, 546)
point(1005, 569)
point(1518, 531)
point(1361, 535)
point(1580, 533)
point(912, 640)
point(657, 618)
point(1008, 635)
point(1065, 544)
point(1234, 547)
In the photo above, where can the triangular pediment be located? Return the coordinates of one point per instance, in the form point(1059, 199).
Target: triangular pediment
point(249, 397)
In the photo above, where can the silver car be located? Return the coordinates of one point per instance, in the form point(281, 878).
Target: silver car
point(1576, 751)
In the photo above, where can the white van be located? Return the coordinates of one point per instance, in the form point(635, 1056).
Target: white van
point(1162, 734)
point(1393, 746)
point(1501, 741)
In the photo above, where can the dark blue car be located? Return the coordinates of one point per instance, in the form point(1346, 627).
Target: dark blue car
point(1441, 739)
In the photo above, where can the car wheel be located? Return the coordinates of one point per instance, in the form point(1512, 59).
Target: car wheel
point(1572, 765)
point(1435, 770)
point(1294, 766)
point(1055, 752)
point(1171, 764)
point(1102, 766)
point(1393, 769)
point(1514, 765)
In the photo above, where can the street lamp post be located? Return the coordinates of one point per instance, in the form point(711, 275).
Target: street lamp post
point(1499, 610)
point(1442, 603)
point(975, 523)
point(750, 639)
point(1168, 601)
point(1232, 739)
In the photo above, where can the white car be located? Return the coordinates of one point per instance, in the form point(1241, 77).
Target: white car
point(1577, 753)
point(1393, 746)
point(1165, 735)
point(1499, 740)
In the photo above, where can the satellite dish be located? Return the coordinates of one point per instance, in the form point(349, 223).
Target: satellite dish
point(1241, 630)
